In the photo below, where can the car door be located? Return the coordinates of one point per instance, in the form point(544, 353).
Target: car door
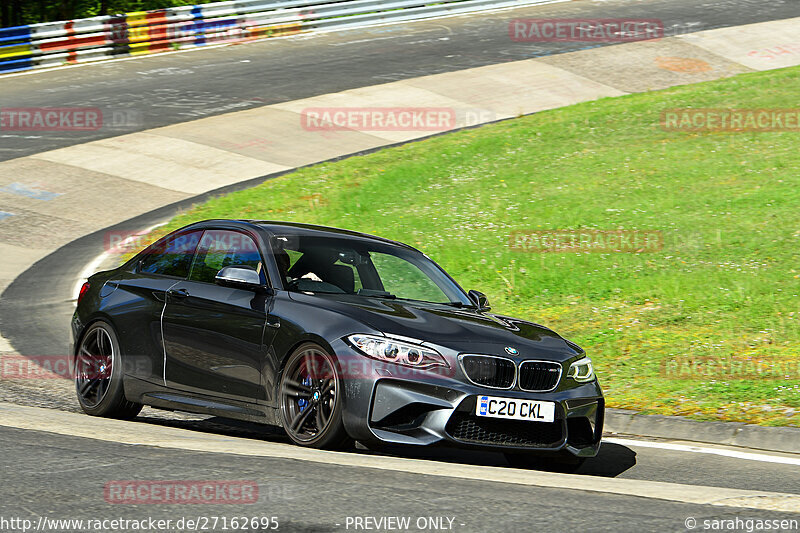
point(213, 335)
point(139, 301)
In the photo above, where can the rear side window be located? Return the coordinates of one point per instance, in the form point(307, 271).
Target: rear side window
point(172, 256)
point(221, 248)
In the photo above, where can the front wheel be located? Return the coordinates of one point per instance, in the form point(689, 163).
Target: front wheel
point(98, 375)
point(311, 399)
point(563, 463)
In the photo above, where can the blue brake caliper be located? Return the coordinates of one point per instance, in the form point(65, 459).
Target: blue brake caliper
point(302, 403)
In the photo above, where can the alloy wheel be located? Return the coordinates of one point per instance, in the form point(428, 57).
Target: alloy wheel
point(93, 366)
point(309, 394)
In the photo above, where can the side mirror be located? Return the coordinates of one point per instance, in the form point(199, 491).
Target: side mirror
point(239, 277)
point(480, 300)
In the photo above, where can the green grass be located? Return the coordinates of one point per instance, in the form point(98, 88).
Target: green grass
point(725, 284)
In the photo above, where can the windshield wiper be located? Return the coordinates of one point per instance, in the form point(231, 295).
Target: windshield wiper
point(459, 305)
point(372, 293)
point(451, 304)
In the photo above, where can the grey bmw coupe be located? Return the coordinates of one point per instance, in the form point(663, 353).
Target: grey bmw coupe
point(334, 335)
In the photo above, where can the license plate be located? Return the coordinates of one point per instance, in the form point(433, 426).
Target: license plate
point(515, 409)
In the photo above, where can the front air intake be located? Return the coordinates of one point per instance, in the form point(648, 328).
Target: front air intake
point(539, 376)
point(489, 371)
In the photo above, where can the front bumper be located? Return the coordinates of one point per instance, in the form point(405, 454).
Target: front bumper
point(385, 404)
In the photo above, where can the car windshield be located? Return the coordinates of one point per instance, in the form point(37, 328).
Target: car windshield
point(334, 265)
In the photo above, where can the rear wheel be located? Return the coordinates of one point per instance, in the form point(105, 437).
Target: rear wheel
point(311, 399)
point(564, 463)
point(98, 375)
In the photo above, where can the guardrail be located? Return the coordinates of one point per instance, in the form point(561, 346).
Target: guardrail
point(145, 32)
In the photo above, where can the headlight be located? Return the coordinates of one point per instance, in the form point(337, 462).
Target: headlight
point(394, 351)
point(581, 370)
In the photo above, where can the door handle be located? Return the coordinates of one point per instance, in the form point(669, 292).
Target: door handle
point(273, 324)
point(178, 293)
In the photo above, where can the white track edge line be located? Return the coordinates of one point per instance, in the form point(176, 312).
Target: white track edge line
point(734, 454)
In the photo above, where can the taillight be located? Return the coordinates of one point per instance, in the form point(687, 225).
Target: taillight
point(83, 291)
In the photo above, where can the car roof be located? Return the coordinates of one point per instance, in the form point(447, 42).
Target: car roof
point(295, 228)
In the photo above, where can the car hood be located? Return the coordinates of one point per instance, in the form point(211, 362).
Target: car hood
point(464, 330)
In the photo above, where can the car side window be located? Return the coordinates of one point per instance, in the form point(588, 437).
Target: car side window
point(171, 256)
point(221, 248)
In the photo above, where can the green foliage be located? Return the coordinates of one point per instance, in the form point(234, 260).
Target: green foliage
point(18, 12)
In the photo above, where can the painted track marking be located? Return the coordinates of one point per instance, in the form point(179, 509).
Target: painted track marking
point(734, 454)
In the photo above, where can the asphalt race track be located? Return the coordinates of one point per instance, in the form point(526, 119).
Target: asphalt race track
point(165, 89)
point(316, 497)
point(50, 471)
point(623, 461)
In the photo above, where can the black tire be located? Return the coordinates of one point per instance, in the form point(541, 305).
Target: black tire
point(99, 390)
point(563, 463)
point(310, 396)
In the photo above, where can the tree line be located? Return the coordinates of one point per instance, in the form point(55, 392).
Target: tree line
point(19, 12)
